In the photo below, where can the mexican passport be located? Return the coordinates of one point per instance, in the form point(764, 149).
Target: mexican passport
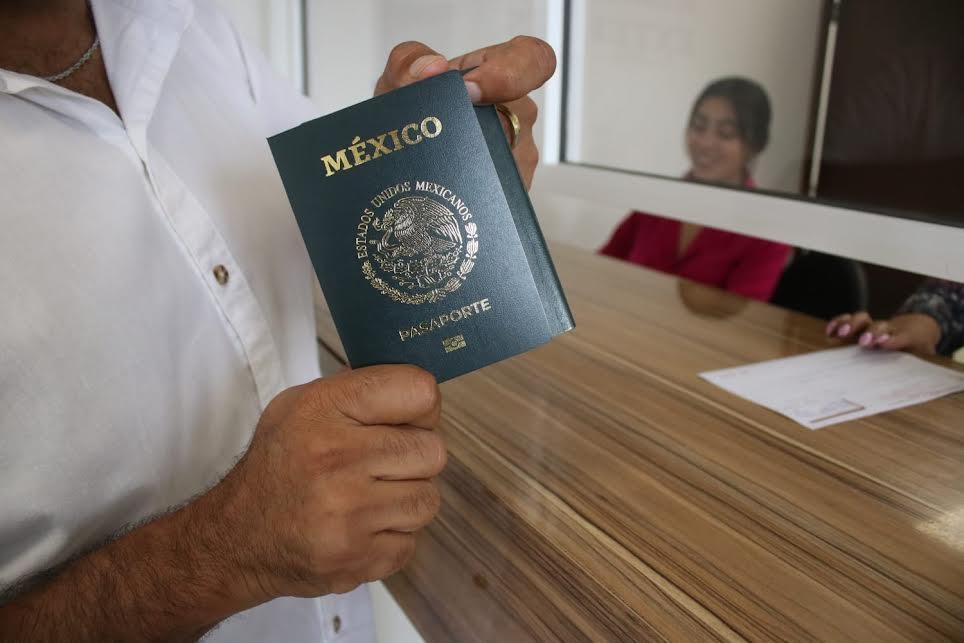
point(421, 232)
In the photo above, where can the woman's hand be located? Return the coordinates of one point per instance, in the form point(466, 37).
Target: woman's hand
point(912, 332)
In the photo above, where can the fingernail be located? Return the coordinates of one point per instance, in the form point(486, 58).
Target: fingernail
point(866, 339)
point(843, 331)
point(422, 62)
point(830, 328)
point(475, 92)
point(883, 339)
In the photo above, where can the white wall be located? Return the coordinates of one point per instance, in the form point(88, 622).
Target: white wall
point(349, 42)
point(251, 18)
point(645, 61)
point(274, 26)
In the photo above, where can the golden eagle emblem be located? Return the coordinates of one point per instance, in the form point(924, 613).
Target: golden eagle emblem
point(421, 242)
point(421, 252)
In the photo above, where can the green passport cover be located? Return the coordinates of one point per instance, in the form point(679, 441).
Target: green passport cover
point(421, 232)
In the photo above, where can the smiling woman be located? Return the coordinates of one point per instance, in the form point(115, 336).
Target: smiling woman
point(729, 126)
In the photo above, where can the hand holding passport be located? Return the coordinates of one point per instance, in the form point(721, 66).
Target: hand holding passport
point(420, 230)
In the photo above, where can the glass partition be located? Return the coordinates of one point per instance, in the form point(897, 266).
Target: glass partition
point(854, 102)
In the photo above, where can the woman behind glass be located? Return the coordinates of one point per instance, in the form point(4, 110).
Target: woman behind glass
point(728, 128)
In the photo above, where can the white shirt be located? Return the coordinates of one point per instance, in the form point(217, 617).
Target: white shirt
point(130, 377)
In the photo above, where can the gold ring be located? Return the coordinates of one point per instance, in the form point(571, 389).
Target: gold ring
point(514, 121)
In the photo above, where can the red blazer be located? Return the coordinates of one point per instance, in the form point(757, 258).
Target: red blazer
point(745, 265)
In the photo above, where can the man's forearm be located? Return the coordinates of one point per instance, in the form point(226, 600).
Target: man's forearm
point(168, 580)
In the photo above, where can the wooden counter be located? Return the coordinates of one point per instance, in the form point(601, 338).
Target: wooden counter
point(598, 490)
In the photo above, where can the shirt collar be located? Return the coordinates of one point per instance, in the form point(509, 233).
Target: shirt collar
point(138, 39)
point(12, 82)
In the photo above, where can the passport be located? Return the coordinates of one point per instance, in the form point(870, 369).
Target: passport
point(421, 232)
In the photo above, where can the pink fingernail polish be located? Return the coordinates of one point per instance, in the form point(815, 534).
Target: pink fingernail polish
point(866, 339)
point(830, 328)
point(475, 92)
point(844, 330)
point(883, 339)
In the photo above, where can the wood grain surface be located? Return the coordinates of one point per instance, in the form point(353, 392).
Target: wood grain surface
point(598, 490)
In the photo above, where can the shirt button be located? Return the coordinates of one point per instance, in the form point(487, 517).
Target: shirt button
point(221, 274)
point(336, 624)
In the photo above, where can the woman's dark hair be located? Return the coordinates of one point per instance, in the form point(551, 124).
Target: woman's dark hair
point(751, 104)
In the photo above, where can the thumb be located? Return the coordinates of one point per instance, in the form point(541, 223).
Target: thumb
point(407, 63)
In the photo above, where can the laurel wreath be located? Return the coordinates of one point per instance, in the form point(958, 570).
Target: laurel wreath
point(436, 294)
point(448, 263)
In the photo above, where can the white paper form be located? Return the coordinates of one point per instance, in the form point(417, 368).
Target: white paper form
point(838, 385)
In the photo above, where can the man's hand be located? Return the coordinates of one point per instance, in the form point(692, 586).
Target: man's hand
point(504, 73)
point(911, 332)
point(336, 481)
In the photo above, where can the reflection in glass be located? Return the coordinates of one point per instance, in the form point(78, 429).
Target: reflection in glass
point(867, 95)
point(711, 303)
point(635, 67)
point(728, 127)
